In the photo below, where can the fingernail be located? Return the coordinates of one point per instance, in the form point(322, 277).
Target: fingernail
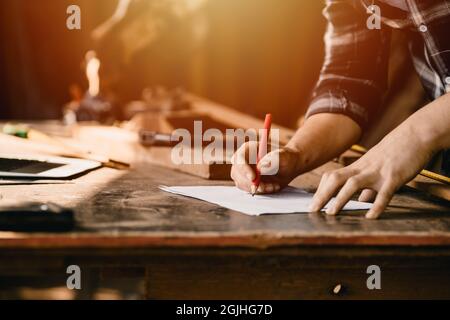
point(312, 208)
point(371, 216)
point(260, 189)
point(265, 164)
point(269, 188)
point(331, 211)
point(277, 187)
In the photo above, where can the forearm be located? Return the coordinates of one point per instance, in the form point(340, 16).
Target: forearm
point(323, 137)
point(394, 161)
point(431, 124)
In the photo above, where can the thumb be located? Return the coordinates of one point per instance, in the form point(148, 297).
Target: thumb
point(269, 165)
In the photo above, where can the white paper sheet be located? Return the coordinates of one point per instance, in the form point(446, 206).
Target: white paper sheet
point(289, 200)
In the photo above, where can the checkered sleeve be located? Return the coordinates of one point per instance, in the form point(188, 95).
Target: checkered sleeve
point(353, 78)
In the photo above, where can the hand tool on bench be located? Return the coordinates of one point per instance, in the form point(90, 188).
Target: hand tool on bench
point(67, 150)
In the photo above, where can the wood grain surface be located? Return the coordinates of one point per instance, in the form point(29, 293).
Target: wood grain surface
point(125, 209)
point(180, 248)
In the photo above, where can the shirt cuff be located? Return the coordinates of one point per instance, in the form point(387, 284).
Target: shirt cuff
point(337, 102)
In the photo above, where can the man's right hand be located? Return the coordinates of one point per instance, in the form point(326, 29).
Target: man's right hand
point(321, 138)
point(278, 168)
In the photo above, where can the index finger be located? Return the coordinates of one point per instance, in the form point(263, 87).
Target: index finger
point(382, 200)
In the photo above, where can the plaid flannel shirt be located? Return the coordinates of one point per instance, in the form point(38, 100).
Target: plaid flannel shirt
point(353, 78)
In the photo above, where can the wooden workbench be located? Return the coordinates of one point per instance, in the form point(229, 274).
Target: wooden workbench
point(185, 248)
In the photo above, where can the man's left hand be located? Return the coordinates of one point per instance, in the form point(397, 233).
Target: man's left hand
point(397, 159)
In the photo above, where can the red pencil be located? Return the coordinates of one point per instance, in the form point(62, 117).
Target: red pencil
point(262, 151)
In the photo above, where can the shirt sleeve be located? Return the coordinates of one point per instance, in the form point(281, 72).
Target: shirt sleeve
point(353, 78)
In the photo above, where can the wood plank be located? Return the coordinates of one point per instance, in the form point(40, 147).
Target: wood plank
point(277, 277)
point(125, 209)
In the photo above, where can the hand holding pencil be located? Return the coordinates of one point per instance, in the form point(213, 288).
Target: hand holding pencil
point(262, 151)
point(259, 178)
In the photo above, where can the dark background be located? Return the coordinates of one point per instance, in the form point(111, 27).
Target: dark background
point(258, 55)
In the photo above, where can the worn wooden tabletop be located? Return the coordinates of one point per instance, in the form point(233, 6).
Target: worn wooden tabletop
point(125, 209)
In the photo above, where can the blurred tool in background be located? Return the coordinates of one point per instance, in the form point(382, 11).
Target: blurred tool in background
point(66, 150)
